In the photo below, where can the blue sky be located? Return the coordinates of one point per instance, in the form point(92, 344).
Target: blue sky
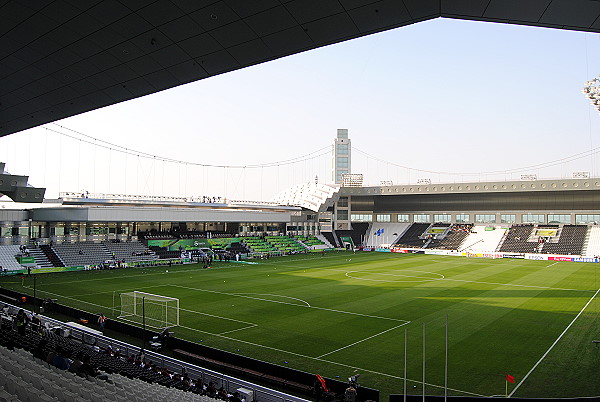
point(442, 95)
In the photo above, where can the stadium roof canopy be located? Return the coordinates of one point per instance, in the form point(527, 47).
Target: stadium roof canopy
point(64, 57)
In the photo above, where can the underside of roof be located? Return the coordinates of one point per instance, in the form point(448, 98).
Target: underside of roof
point(66, 57)
point(17, 189)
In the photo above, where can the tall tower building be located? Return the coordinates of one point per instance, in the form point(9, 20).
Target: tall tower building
point(341, 155)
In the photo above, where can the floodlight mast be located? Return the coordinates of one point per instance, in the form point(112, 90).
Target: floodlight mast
point(591, 90)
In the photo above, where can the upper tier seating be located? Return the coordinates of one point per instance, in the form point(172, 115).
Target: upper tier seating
point(83, 253)
point(516, 240)
point(310, 241)
point(411, 238)
point(129, 251)
point(7, 257)
point(570, 241)
point(454, 239)
point(286, 244)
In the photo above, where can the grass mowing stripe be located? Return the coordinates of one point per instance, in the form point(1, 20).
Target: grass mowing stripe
point(291, 304)
point(552, 346)
point(511, 284)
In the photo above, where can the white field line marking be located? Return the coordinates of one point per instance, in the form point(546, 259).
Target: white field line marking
point(110, 291)
point(291, 304)
point(554, 344)
point(327, 361)
point(548, 266)
point(268, 294)
point(362, 340)
point(239, 329)
point(249, 324)
point(304, 356)
point(522, 286)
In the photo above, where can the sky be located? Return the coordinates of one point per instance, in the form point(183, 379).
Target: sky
point(446, 100)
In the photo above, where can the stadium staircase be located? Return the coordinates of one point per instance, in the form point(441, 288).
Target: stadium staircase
point(38, 255)
point(51, 256)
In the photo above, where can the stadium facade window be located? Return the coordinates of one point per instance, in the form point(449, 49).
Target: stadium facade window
point(553, 218)
point(57, 231)
point(533, 218)
point(463, 218)
point(485, 218)
point(442, 218)
point(403, 218)
point(586, 219)
point(384, 218)
point(342, 215)
point(361, 218)
point(342, 149)
point(508, 218)
point(422, 218)
point(5, 232)
point(343, 202)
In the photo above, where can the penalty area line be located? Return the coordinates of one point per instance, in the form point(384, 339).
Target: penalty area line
point(554, 344)
point(362, 340)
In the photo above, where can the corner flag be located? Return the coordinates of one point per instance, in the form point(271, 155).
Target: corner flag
point(510, 378)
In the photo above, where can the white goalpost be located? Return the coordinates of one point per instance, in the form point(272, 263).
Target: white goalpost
point(158, 311)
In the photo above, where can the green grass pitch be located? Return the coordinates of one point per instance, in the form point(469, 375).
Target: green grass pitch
point(344, 313)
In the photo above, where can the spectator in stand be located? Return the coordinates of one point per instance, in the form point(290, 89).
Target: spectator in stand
point(21, 322)
point(86, 369)
point(59, 361)
point(39, 351)
point(76, 363)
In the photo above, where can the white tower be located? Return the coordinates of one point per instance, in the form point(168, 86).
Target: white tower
point(341, 155)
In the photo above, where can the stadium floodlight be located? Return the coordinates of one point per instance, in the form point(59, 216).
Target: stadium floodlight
point(591, 90)
point(157, 311)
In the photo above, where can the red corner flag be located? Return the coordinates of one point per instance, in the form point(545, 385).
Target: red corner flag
point(510, 378)
point(322, 381)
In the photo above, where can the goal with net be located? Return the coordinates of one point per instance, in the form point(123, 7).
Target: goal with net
point(157, 311)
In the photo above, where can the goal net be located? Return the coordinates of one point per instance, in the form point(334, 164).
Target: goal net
point(160, 311)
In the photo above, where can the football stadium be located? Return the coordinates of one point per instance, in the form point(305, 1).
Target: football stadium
point(334, 290)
